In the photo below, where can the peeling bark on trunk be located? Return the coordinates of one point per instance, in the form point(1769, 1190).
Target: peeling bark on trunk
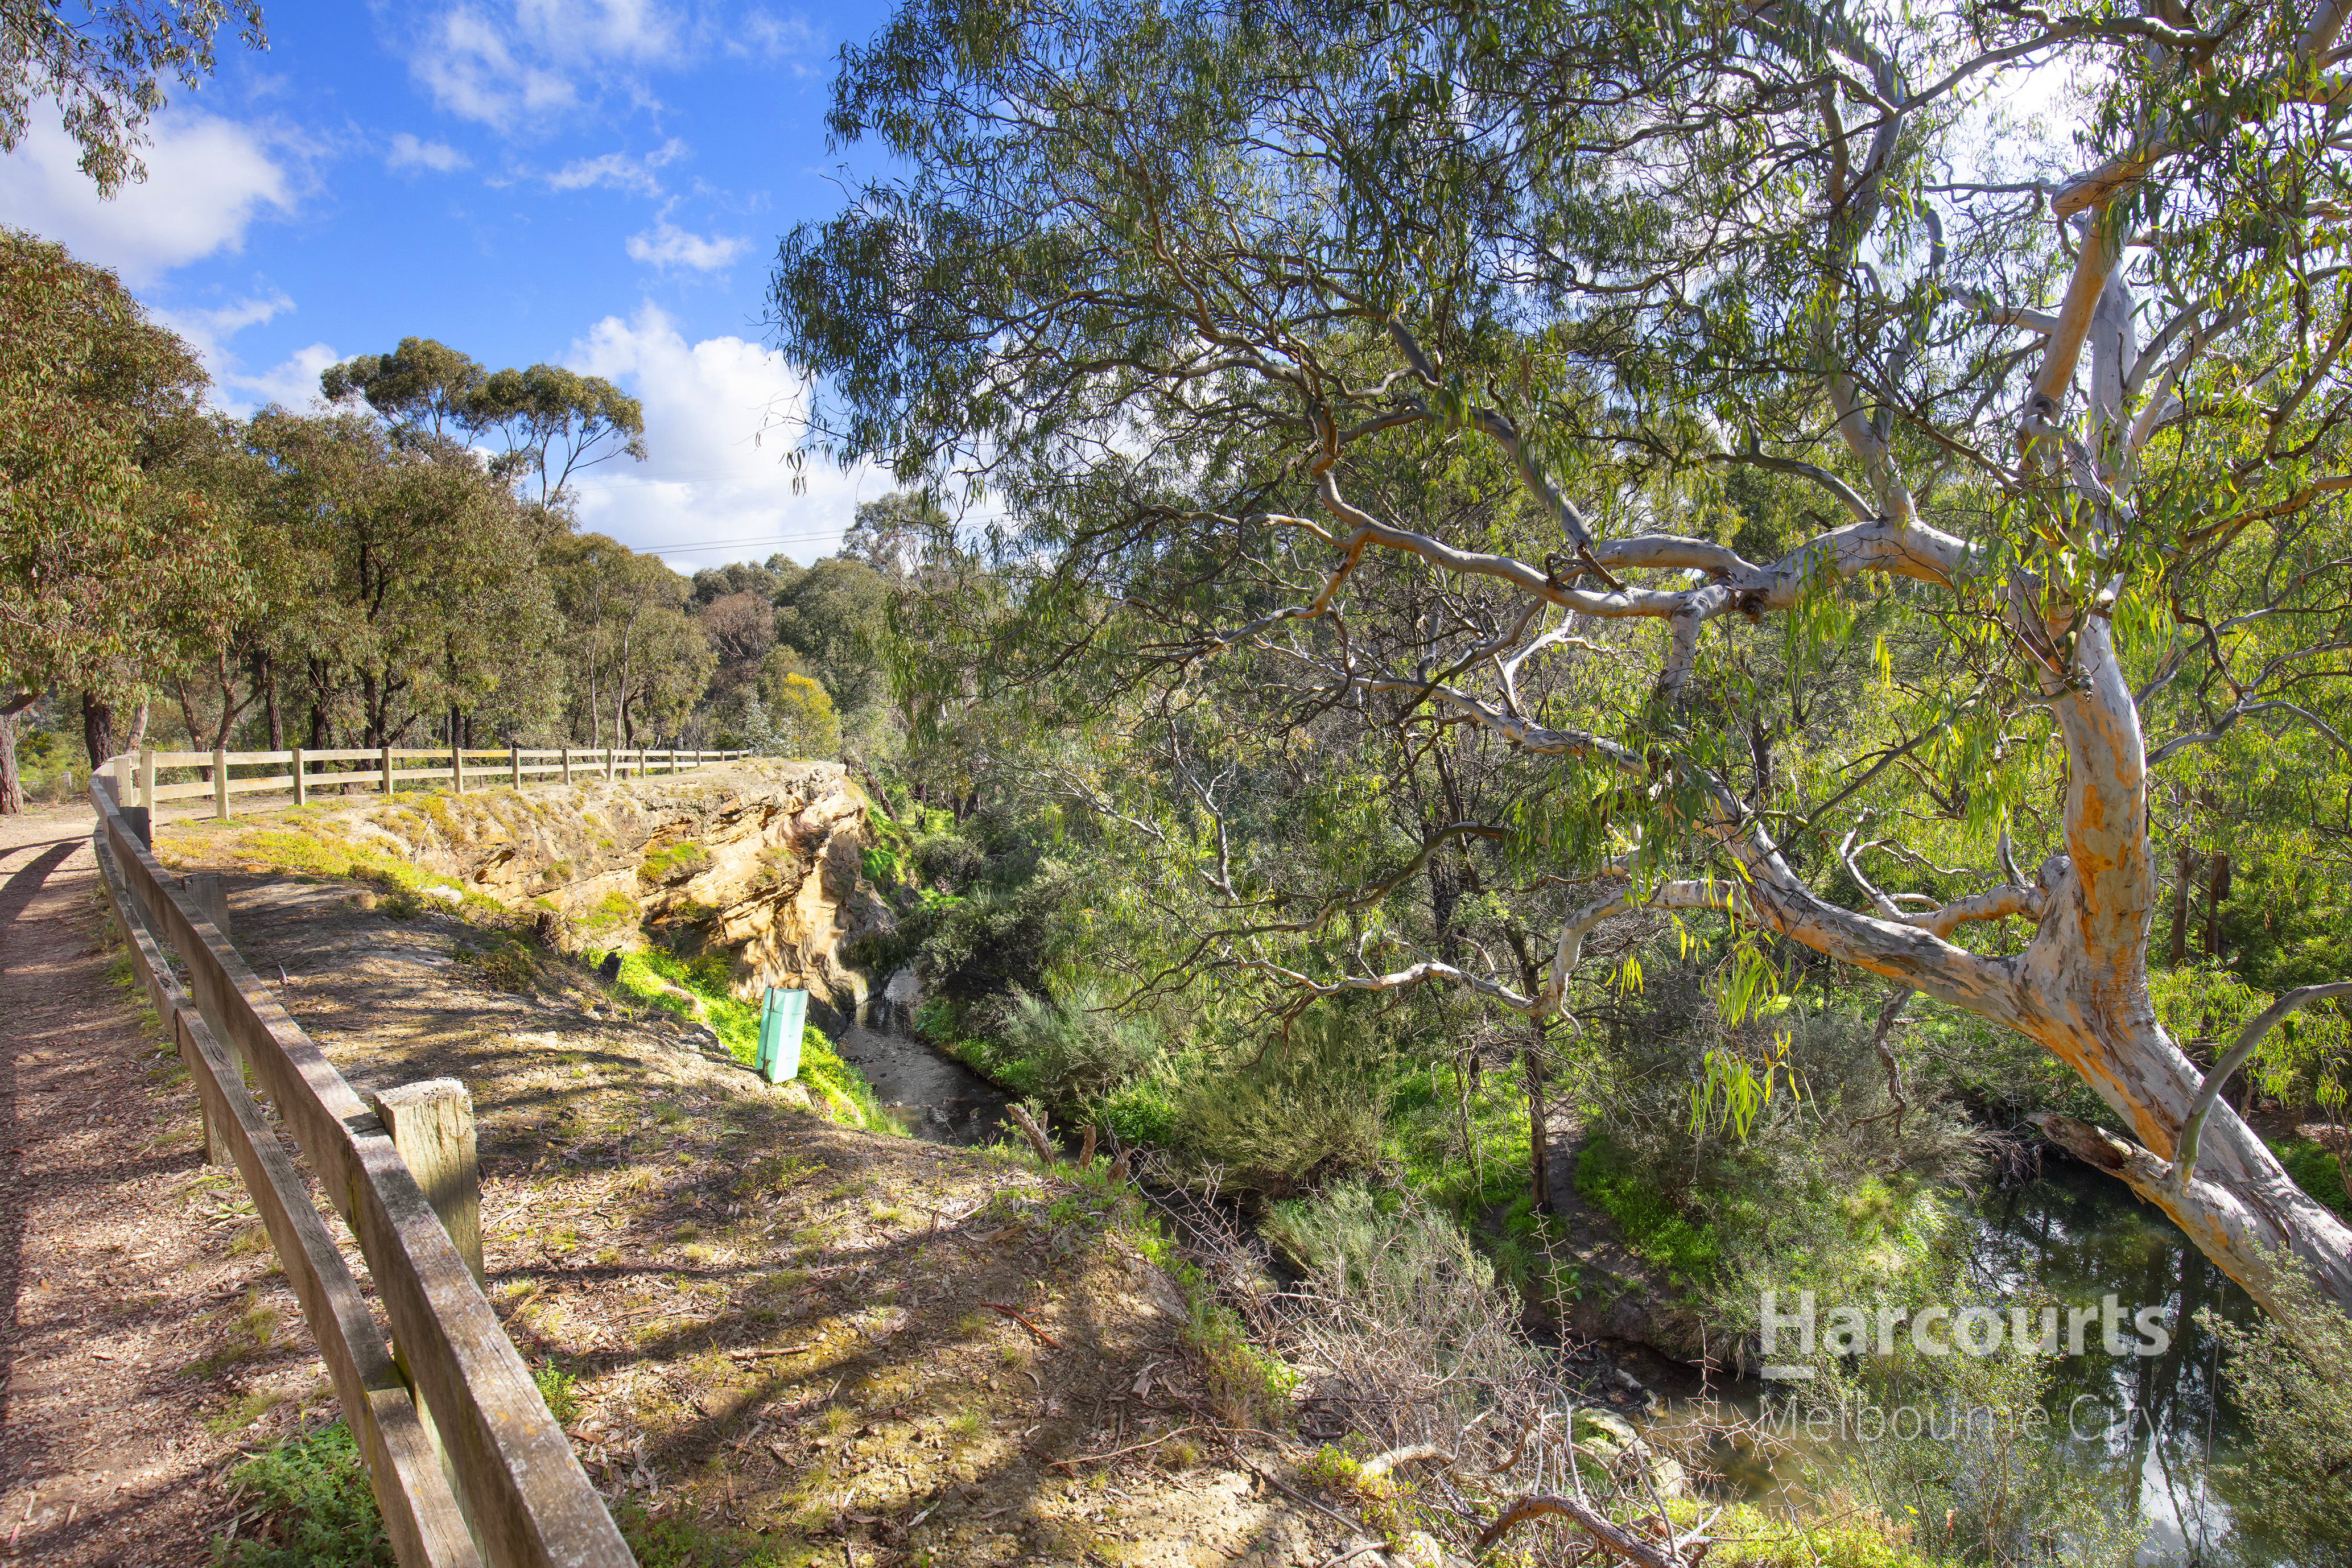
point(2080, 989)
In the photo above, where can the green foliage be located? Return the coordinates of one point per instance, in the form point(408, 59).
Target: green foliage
point(321, 1514)
point(688, 1541)
point(554, 422)
point(1078, 1049)
point(98, 521)
point(831, 617)
point(1652, 1225)
point(504, 962)
point(560, 1389)
point(2315, 1169)
point(1746, 1536)
point(673, 862)
point(1352, 1230)
point(2287, 1376)
point(1299, 1113)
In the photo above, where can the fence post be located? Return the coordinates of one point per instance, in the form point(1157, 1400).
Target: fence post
point(432, 1125)
point(567, 763)
point(220, 783)
point(206, 890)
point(216, 1150)
point(514, 760)
point(608, 765)
point(125, 781)
point(301, 784)
point(387, 770)
point(147, 778)
point(457, 769)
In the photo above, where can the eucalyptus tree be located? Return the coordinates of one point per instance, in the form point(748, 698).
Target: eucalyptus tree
point(105, 69)
point(637, 657)
point(411, 560)
point(1166, 276)
point(96, 399)
point(554, 422)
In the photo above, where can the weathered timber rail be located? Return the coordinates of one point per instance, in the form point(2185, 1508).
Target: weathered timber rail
point(383, 769)
point(465, 1461)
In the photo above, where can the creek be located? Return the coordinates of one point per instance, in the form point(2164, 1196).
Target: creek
point(2145, 1430)
point(930, 1094)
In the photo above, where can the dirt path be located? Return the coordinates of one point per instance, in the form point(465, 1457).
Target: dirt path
point(788, 1341)
point(144, 1338)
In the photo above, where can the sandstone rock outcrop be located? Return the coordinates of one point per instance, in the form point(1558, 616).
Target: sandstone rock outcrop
point(761, 859)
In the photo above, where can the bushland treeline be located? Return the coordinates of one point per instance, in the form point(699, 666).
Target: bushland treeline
point(404, 567)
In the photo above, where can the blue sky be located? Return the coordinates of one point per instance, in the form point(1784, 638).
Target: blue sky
point(598, 184)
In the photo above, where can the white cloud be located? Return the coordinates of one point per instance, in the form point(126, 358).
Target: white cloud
point(508, 65)
point(207, 180)
point(408, 152)
point(292, 382)
point(666, 245)
point(619, 170)
point(792, 38)
point(718, 423)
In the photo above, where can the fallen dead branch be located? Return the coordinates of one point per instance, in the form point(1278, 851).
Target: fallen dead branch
point(1662, 1549)
point(1032, 1132)
point(1049, 1341)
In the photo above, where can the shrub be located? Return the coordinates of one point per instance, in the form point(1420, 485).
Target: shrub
point(1076, 1050)
point(321, 1514)
point(2286, 1374)
point(1296, 1116)
point(2316, 1171)
point(1351, 1231)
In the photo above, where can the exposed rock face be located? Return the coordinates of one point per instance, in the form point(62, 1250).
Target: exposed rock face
point(761, 859)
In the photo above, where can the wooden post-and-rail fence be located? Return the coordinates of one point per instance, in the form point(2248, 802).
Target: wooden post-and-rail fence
point(383, 770)
point(466, 1462)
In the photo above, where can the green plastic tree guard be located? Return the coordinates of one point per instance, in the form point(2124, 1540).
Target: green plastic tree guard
point(782, 1015)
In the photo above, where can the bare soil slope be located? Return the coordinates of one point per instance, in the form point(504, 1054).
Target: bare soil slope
point(843, 1345)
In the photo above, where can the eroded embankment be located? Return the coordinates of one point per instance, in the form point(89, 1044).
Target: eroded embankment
point(759, 861)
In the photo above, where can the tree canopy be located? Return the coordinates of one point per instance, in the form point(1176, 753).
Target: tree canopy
point(1596, 393)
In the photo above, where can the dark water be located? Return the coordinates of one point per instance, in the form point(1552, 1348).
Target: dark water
point(932, 1095)
point(2145, 1429)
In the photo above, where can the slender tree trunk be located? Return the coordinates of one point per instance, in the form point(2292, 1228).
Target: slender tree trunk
point(138, 728)
point(266, 669)
point(2217, 894)
point(188, 717)
point(11, 788)
point(1539, 1124)
point(96, 730)
point(2184, 873)
point(1531, 1068)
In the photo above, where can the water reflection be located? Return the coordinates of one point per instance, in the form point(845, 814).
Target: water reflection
point(2144, 1430)
point(2149, 1426)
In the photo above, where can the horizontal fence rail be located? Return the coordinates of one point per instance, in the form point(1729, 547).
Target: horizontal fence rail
point(465, 1461)
point(384, 770)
